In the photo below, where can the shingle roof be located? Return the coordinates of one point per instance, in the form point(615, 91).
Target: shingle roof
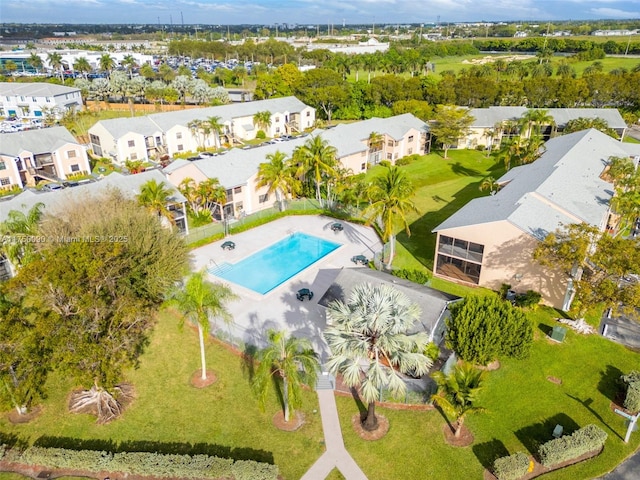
point(432, 302)
point(36, 141)
point(488, 117)
point(128, 184)
point(36, 89)
point(563, 185)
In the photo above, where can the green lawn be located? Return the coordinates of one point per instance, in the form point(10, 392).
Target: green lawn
point(168, 414)
point(522, 406)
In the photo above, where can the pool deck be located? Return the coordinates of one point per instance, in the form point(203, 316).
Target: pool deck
point(279, 309)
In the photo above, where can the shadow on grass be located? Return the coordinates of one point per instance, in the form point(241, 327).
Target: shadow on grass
point(488, 452)
point(544, 328)
point(586, 403)
point(609, 384)
point(178, 448)
point(359, 403)
point(11, 441)
point(460, 169)
point(535, 435)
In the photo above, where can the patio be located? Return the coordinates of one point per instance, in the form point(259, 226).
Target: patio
point(280, 309)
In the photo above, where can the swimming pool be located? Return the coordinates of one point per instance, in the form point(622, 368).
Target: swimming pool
point(265, 270)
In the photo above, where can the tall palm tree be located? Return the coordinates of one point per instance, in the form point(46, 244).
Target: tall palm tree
point(316, 158)
point(35, 61)
point(458, 392)
point(155, 197)
point(375, 141)
point(195, 127)
point(279, 175)
point(107, 63)
point(290, 361)
point(212, 194)
point(128, 62)
point(371, 345)
point(82, 65)
point(18, 227)
point(390, 196)
point(55, 60)
point(263, 120)
point(200, 301)
point(216, 126)
point(534, 118)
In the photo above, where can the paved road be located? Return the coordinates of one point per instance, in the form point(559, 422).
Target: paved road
point(336, 455)
point(627, 470)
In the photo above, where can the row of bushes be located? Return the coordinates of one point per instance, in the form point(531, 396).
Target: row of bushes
point(143, 463)
point(585, 440)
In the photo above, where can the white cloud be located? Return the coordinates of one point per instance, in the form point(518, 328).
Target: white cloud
point(614, 13)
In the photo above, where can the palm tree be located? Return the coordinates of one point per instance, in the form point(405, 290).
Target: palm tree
point(318, 158)
point(212, 194)
point(55, 60)
point(375, 143)
point(490, 184)
point(262, 120)
point(370, 344)
point(128, 62)
point(216, 127)
point(17, 227)
point(390, 196)
point(35, 61)
point(458, 392)
point(155, 197)
point(534, 118)
point(195, 127)
point(200, 301)
point(107, 63)
point(82, 65)
point(289, 360)
point(279, 175)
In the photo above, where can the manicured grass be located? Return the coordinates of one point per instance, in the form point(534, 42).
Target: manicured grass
point(522, 406)
point(629, 139)
point(169, 411)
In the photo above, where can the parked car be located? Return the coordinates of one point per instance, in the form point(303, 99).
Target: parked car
point(51, 187)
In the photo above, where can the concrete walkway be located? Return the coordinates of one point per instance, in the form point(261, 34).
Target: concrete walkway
point(336, 456)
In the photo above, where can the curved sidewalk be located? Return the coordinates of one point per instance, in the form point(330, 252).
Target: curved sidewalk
point(336, 455)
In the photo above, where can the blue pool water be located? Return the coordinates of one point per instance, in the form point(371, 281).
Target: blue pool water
point(265, 270)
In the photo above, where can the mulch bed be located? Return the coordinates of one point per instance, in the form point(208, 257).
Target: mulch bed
point(495, 365)
point(296, 420)
point(198, 382)
point(377, 434)
point(539, 469)
point(14, 417)
point(463, 440)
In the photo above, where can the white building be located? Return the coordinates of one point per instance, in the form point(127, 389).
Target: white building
point(32, 100)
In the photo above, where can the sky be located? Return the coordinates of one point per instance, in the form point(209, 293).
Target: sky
point(310, 12)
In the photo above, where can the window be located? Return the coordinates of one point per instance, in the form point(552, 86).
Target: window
point(237, 190)
point(459, 259)
point(277, 119)
point(94, 139)
point(71, 154)
point(33, 99)
point(5, 181)
point(308, 114)
point(180, 147)
point(277, 129)
point(363, 166)
point(3, 166)
point(409, 151)
point(75, 168)
point(48, 99)
point(390, 143)
point(131, 143)
point(134, 156)
point(395, 156)
point(263, 198)
point(389, 156)
point(410, 138)
point(178, 135)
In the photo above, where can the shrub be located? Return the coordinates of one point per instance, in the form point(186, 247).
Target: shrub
point(529, 299)
point(385, 163)
point(511, 467)
point(480, 329)
point(407, 160)
point(587, 439)
point(416, 276)
point(432, 351)
point(632, 397)
point(261, 135)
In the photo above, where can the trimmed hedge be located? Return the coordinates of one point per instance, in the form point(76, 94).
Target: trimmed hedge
point(415, 276)
point(512, 467)
point(585, 440)
point(632, 397)
point(145, 463)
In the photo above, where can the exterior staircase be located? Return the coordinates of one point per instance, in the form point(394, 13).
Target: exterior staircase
point(220, 269)
point(325, 381)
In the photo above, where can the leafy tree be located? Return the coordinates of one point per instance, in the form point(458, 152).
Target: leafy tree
point(596, 264)
point(482, 329)
point(583, 123)
point(370, 343)
point(200, 301)
point(490, 184)
point(324, 89)
point(129, 63)
point(10, 66)
point(16, 231)
point(390, 202)
point(182, 85)
point(450, 124)
point(316, 160)
point(458, 392)
point(287, 362)
point(216, 126)
point(521, 150)
point(155, 197)
point(262, 119)
point(534, 118)
point(279, 175)
point(94, 296)
point(106, 63)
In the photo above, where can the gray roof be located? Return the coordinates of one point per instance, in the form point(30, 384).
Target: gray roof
point(35, 89)
point(238, 165)
point(432, 302)
point(566, 178)
point(128, 184)
point(42, 140)
point(167, 120)
point(488, 117)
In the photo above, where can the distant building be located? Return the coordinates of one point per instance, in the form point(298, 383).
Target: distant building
point(37, 99)
point(614, 33)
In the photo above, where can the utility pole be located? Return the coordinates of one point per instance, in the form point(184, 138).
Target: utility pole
point(628, 43)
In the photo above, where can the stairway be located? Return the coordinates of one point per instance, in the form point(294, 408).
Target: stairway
point(220, 269)
point(325, 382)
